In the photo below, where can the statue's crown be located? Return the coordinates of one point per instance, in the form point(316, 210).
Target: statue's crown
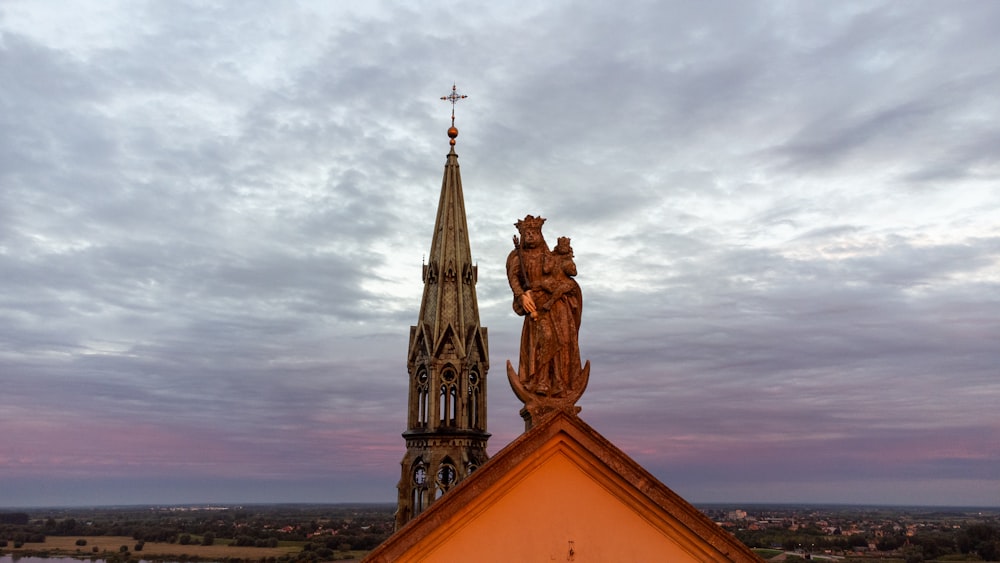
point(529, 222)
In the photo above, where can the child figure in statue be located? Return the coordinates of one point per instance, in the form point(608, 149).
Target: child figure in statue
point(558, 267)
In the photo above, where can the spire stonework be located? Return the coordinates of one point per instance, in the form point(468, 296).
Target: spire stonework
point(447, 360)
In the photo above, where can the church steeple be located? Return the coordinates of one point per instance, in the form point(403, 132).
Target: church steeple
point(447, 360)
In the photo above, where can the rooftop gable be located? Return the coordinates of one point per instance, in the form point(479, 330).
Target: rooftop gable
point(562, 491)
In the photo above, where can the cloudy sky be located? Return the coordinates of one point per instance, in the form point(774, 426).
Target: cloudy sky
point(213, 215)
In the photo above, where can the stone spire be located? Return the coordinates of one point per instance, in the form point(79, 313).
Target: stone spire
point(447, 360)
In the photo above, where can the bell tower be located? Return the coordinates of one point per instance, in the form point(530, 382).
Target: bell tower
point(447, 359)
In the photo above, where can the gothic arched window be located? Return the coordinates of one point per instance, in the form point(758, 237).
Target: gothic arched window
point(419, 494)
point(423, 397)
point(448, 399)
point(447, 476)
point(453, 403)
point(473, 402)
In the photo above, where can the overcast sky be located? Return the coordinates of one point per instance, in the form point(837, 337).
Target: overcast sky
point(786, 219)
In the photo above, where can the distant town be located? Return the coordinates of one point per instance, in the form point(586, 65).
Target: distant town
point(331, 532)
point(785, 532)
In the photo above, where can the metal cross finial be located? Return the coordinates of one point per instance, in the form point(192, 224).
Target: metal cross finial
point(453, 97)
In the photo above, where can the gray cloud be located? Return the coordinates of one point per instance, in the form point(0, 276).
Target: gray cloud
point(212, 221)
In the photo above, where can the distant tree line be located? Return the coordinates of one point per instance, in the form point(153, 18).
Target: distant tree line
point(976, 539)
point(321, 530)
point(17, 518)
point(804, 537)
point(981, 539)
point(15, 530)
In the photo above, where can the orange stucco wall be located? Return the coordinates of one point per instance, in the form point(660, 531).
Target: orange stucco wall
point(554, 507)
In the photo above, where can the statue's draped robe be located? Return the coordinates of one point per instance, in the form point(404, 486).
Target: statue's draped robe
point(550, 353)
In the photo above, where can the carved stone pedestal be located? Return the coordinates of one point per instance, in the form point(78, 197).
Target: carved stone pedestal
point(537, 407)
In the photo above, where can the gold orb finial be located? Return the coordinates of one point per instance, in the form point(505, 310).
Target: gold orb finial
point(453, 97)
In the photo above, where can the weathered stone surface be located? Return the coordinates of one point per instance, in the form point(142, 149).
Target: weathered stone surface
point(549, 376)
point(447, 362)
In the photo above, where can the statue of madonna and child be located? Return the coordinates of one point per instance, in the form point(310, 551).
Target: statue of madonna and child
point(549, 375)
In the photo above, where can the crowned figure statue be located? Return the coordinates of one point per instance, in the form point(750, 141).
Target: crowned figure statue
point(549, 375)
